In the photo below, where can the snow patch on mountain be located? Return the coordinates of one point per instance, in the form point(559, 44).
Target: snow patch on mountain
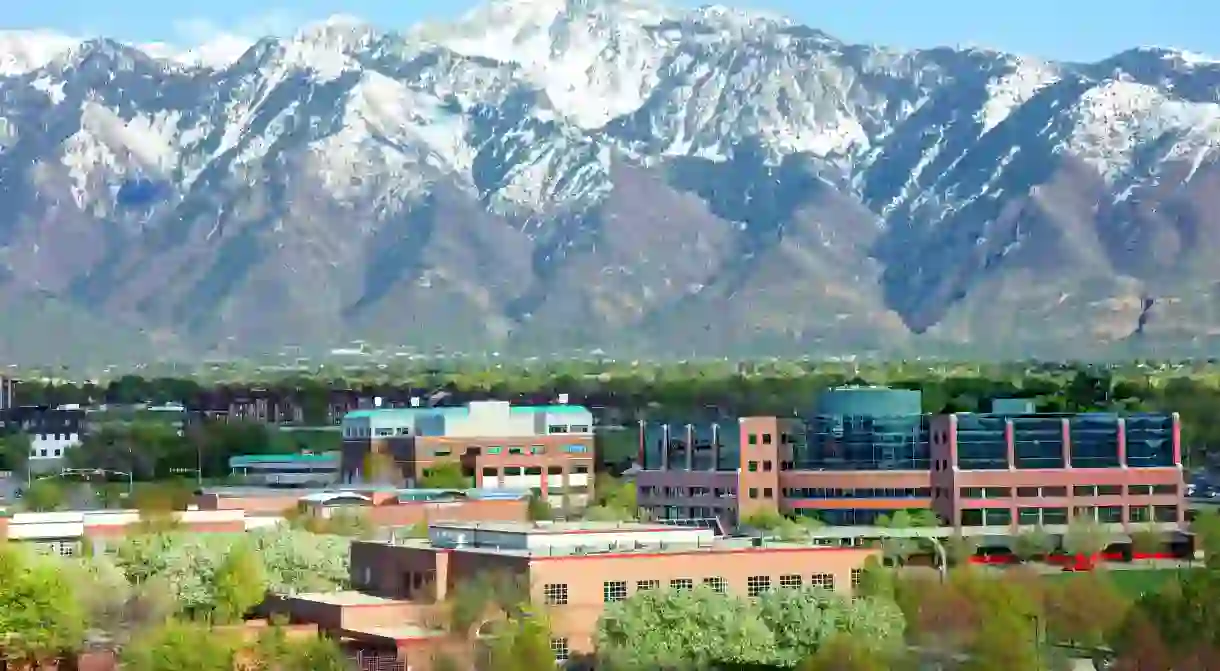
point(1007, 93)
point(23, 51)
point(1116, 118)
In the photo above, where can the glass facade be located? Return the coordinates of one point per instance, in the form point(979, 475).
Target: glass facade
point(847, 517)
point(1150, 441)
point(675, 438)
point(981, 445)
point(1095, 440)
point(1038, 441)
point(863, 443)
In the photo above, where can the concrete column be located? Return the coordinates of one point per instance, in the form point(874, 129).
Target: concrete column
point(715, 446)
point(665, 447)
point(1121, 439)
point(641, 455)
point(1067, 442)
point(1177, 440)
point(690, 447)
point(1010, 442)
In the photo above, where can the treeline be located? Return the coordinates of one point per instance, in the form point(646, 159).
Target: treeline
point(686, 390)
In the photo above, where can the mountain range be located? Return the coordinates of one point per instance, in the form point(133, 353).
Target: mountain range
point(545, 175)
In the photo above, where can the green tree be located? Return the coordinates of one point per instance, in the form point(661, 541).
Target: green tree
point(446, 475)
point(539, 509)
point(40, 614)
point(697, 628)
point(14, 452)
point(180, 646)
point(848, 652)
point(1085, 537)
point(802, 620)
point(521, 643)
point(1033, 543)
point(46, 495)
point(240, 584)
point(1147, 541)
point(1084, 609)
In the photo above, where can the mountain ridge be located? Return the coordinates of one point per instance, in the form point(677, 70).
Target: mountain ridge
point(619, 174)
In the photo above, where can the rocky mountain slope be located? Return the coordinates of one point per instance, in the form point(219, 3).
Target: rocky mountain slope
point(543, 175)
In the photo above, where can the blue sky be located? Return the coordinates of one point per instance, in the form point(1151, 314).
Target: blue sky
point(1065, 29)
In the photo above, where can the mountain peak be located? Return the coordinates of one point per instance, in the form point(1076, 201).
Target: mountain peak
point(22, 51)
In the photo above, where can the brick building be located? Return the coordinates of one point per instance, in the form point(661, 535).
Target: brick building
point(571, 569)
point(868, 452)
point(547, 449)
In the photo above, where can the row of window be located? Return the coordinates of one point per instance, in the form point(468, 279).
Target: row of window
point(560, 428)
point(858, 493)
point(1077, 490)
point(684, 492)
point(492, 472)
point(1035, 516)
point(556, 594)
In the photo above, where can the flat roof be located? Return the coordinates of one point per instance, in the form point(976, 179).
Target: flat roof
point(559, 528)
point(400, 632)
point(717, 546)
point(345, 598)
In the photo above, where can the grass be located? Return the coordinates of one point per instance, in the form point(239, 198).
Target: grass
point(1133, 583)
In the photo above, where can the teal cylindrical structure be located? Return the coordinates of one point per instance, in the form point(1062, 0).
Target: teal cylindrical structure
point(869, 402)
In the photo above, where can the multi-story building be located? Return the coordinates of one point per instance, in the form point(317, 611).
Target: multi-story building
point(572, 569)
point(868, 452)
point(286, 470)
point(548, 448)
point(52, 431)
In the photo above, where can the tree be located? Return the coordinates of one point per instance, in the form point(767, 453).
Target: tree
point(14, 452)
point(802, 620)
point(240, 584)
point(45, 495)
point(1085, 537)
point(848, 652)
point(1206, 528)
point(380, 468)
point(539, 509)
point(445, 476)
point(1033, 543)
point(180, 646)
point(1146, 541)
point(959, 549)
point(522, 643)
point(658, 629)
point(40, 614)
point(1084, 608)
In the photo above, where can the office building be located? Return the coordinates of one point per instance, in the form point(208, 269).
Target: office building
point(868, 452)
point(573, 569)
point(547, 449)
point(52, 431)
point(286, 470)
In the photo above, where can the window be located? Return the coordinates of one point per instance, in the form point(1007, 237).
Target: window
point(790, 581)
point(559, 646)
point(1164, 489)
point(614, 590)
point(580, 428)
point(537, 449)
point(1028, 492)
point(576, 449)
point(767, 493)
point(555, 593)
point(752, 439)
point(515, 450)
point(822, 580)
point(752, 466)
point(754, 492)
point(1084, 490)
point(757, 584)
point(716, 583)
point(489, 472)
point(856, 575)
point(766, 439)
point(556, 428)
point(766, 467)
point(494, 450)
point(642, 585)
point(682, 584)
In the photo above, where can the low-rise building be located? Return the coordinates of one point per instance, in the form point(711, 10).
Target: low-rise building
point(547, 449)
point(380, 506)
point(286, 470)
point(65, 532)
point(572, 569)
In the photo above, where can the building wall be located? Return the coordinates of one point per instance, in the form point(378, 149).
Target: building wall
point(1001, 490)
point(586, 578)
point(758, 470)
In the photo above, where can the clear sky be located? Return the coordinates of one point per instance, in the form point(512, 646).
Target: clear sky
point(1062, 29)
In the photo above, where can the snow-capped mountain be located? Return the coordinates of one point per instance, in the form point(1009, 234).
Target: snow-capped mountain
point(546, 174)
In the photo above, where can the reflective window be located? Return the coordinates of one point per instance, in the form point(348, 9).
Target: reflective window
point(1150, 440)
point(981, 445)
point(1038, 442)
point(863, 443)
point(1094, 440)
